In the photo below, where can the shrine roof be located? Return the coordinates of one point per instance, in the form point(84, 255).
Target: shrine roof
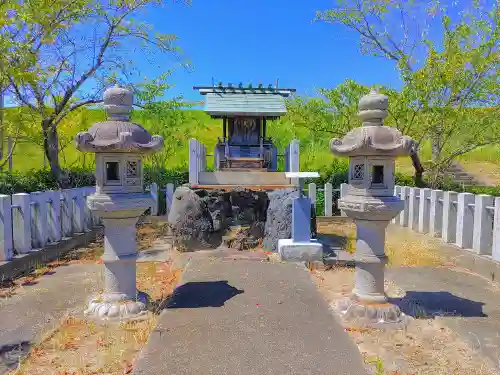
point(238, 101)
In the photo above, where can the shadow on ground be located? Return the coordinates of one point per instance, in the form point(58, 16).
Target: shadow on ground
point(332, 243)
point(202, 294)
point(427, 305)
point(10, 354)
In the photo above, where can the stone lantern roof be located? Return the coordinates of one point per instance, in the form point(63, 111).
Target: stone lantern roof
point(118, 134)
point(373, 138)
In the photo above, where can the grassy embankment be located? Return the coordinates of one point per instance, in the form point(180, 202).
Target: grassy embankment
point(483, 162)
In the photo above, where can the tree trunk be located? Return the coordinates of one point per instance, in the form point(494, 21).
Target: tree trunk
point(437, 142)
point(419, 170)
point(51, 149)
point(417, 165)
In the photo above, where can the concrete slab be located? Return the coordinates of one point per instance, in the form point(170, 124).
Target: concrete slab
point(37, 309)
point(245, 317)
point(468, 304)
point(292, 251)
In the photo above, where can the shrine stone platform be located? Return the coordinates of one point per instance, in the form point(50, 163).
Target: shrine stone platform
point(248, 318)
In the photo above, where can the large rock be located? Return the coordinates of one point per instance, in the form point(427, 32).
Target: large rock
point(278, 223)
point(279, 218)
point(199, 218)
point(190, 220)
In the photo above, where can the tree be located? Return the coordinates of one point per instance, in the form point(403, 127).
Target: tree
point(61, 62)
point(335, 113)
point(164, 118)
point(450, 91)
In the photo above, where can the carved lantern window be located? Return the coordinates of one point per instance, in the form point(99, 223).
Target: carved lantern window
point(358, 172)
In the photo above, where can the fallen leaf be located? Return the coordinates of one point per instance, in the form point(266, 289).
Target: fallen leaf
point(128, 369)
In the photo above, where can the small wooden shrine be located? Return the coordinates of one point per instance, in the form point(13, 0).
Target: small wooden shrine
point(244, 156)
point(244, 111)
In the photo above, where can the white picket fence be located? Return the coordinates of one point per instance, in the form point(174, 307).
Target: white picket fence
point(31, 221)
point(466, 220)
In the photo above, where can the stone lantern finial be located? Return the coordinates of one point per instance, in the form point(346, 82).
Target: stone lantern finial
point(373, 108)
point(118, 103)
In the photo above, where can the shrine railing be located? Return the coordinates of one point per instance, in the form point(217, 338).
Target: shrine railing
point(465, 220)
point(197, 160)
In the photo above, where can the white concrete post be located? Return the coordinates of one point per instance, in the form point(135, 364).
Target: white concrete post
point(294, 159)
point(413, 208)
point(312, 193)
point(449, 216)
point(294, 156)
point(403, 216)
point(198, 156)
point(496, 231)
point(423, 210)
point(21, 219)
point(343, 193)
point(78, 208)
point(169, 196)
point(287, 158)
point(193, 162)
point(6, 243)
point(436, 213)
point(397, 193)
point(204, 158)
point(39, 219)
point(154, 194)
point(328, 199)
point(483, 224)
point(465, 220)
point(96, 219)
point(54, 218)
point(66, 213)
point(87, 211)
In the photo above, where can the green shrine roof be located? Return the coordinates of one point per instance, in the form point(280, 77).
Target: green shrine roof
point(239, 101)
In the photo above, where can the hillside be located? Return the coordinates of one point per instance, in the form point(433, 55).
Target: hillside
point(483, 163)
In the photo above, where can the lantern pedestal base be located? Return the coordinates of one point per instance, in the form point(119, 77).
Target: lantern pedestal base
point(357, 313)
point(117, 307)
point(292, 251)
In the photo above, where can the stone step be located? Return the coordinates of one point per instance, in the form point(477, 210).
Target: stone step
point(248, 187)
point(243, 178)
point(244, 169)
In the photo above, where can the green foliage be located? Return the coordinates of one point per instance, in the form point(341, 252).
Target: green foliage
point(41, 180)
point(162, 177)
point(46, 57)
point(404, 180)
point(450, 95)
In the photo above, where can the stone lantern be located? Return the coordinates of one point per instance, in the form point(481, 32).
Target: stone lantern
point(119, 146)
point(370, 202)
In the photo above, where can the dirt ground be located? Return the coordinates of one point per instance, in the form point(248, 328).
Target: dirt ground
point(426, 346)
point(79, 346)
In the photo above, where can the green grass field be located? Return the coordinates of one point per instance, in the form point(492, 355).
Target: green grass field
point(315, 154)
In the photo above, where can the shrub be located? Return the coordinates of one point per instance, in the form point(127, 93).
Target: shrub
point(337, 173)
point(41, 180)
point(163, 176)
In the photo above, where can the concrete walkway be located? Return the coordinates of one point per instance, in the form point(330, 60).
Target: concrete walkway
point(467, 304)
point(243, 317)
point(36, 309)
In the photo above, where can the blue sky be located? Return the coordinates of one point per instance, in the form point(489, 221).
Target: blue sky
point(260, 41)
